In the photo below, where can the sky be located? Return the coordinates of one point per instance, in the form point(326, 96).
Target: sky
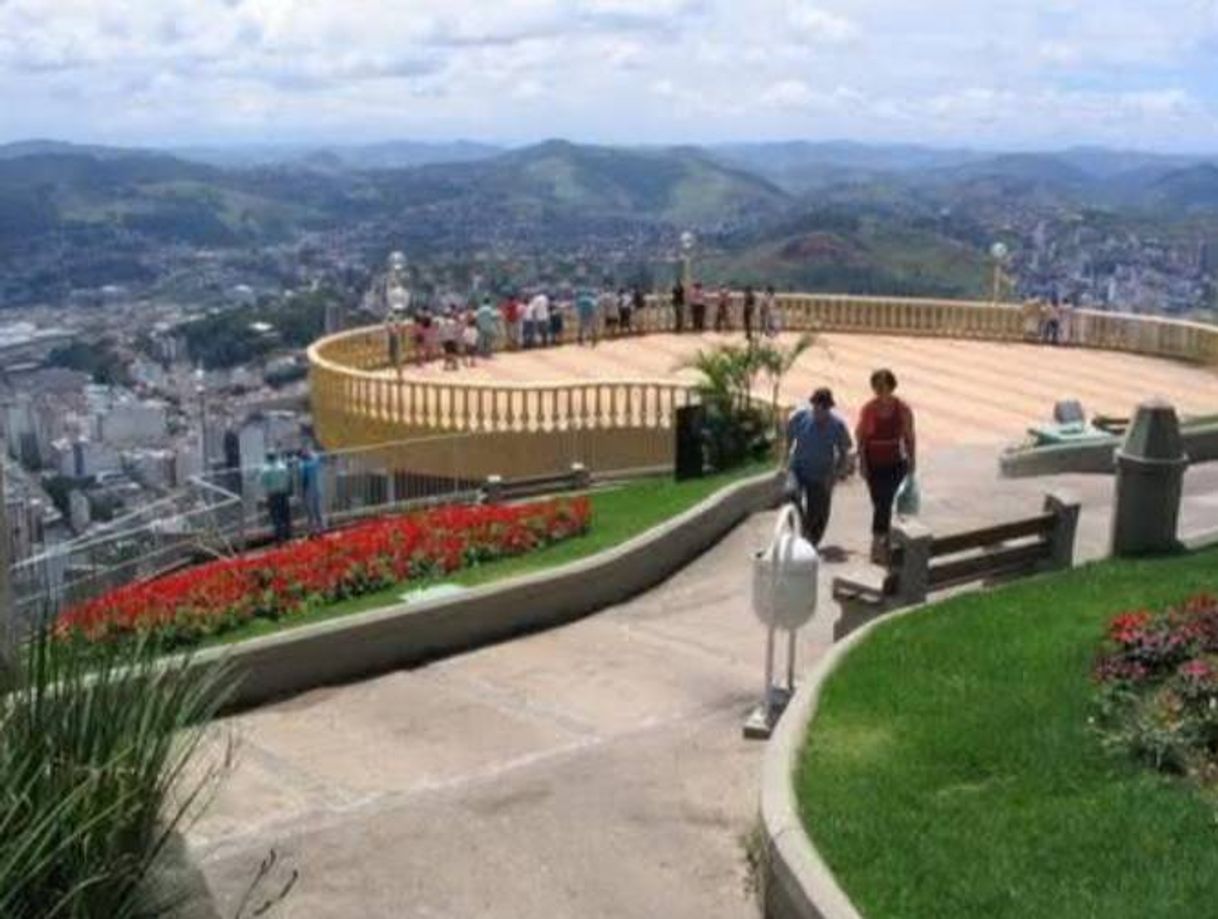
point(1000, 74)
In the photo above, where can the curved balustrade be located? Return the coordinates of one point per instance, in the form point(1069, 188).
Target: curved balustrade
point(356, 403)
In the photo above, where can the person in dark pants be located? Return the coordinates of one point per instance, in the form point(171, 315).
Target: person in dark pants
point(698, 307)
point(678, 307)
point(819, 454)
point(750, 310)
point(887, 453)
point(277, 482)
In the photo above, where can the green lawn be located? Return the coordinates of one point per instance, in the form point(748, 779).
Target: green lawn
point(617, 515)
point(950, 771)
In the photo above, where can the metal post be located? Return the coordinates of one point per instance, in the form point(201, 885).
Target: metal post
point(7, 628)
point(791, 662)
point(768, 697)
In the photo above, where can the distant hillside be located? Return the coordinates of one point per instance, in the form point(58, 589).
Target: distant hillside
point(397, 154)
point(153, 195)
point(857, 254)
point(1190, 190)
point(681, 186)
point(803, 165)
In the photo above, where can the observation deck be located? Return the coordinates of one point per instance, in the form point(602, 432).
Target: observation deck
point(966, 367)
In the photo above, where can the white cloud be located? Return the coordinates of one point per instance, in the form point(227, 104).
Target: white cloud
point(787, 94)
point(942, 71)
point(816, 24)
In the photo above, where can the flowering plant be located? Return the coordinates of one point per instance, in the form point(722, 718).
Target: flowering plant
point(1158, 686)
point(219, 596)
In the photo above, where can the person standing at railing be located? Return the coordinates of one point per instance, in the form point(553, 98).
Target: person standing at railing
point(310, 489)
point(698, 307)
point(750, 310)
point(488, 324)
point(678, 307)
point(639, 302)
point(1053, 323)
point(769, 312)
point(607, 307)
point(276, 481)
point(510, 310)
point(558, 313)
point(887, 454)
point(723, 305)
point(624, 309)
point(539, 311)
point(528, 323)
point(585, 308)
point(469, 337)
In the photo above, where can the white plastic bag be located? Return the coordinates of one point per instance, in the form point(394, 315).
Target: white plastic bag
point(909, 497)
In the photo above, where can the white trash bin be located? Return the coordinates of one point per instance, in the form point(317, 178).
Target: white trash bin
point(785, 579)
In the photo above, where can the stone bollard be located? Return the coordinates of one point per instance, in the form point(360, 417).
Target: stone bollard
point(581, 478)
point(1149, 481)
point(492, 489)
point(911, 541)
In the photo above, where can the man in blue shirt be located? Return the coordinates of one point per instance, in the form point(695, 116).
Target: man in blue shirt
point(820, 448)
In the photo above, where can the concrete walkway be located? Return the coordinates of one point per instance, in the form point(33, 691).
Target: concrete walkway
point(594, 770)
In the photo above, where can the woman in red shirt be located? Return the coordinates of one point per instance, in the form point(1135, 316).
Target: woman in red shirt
point(887, 453)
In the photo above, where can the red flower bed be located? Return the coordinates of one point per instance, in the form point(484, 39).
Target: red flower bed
point(1158, 679)
point(219, 596)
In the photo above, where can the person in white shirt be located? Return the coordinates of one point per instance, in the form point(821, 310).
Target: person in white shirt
point(607, 303)
point(539, 307)
point(450, 337)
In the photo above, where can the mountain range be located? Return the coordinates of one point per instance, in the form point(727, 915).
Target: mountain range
point(794, 210)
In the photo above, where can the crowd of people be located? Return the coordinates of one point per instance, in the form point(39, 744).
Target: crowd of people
point(286, 472)
point(458, 336)
point(822, 453)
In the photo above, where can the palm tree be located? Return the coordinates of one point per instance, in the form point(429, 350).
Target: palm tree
point(776, 362)
point(734, 429)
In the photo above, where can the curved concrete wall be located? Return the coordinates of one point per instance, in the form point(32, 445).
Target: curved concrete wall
point(365, 644)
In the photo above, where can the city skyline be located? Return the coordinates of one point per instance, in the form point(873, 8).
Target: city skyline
point(1039, 75)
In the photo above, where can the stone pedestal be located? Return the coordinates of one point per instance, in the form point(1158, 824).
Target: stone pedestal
point(1149, 480)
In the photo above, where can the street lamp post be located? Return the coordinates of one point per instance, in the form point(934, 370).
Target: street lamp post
point(998, 253)
point(8, 629)
point(688, 241)
point(201, 395)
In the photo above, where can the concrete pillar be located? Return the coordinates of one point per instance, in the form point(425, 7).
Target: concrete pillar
point(911, 543)
point(1149, 481)
point(1065, 510)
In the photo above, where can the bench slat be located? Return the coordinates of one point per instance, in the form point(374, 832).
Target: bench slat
point(977, 539)
point(988, 564)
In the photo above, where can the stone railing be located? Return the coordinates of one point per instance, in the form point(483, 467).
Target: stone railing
point(356, 403)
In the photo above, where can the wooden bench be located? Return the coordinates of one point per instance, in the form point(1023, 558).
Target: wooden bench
point(497, 490)
point(921, 562)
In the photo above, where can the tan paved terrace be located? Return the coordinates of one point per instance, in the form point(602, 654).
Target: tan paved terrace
point(965, 392)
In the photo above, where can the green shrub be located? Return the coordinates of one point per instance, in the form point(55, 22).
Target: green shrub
point(94, 748)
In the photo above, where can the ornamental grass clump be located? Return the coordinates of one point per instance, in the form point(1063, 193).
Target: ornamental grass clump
point(94, 749)
point(1158, 687)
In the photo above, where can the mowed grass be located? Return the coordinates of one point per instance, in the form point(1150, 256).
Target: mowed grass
point(618, 514)
point(950, 770)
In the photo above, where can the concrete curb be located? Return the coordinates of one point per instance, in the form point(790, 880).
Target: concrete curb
point(366, 644)
point(798, 884)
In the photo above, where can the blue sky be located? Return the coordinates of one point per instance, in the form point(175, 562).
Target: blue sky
point(1012, 74)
